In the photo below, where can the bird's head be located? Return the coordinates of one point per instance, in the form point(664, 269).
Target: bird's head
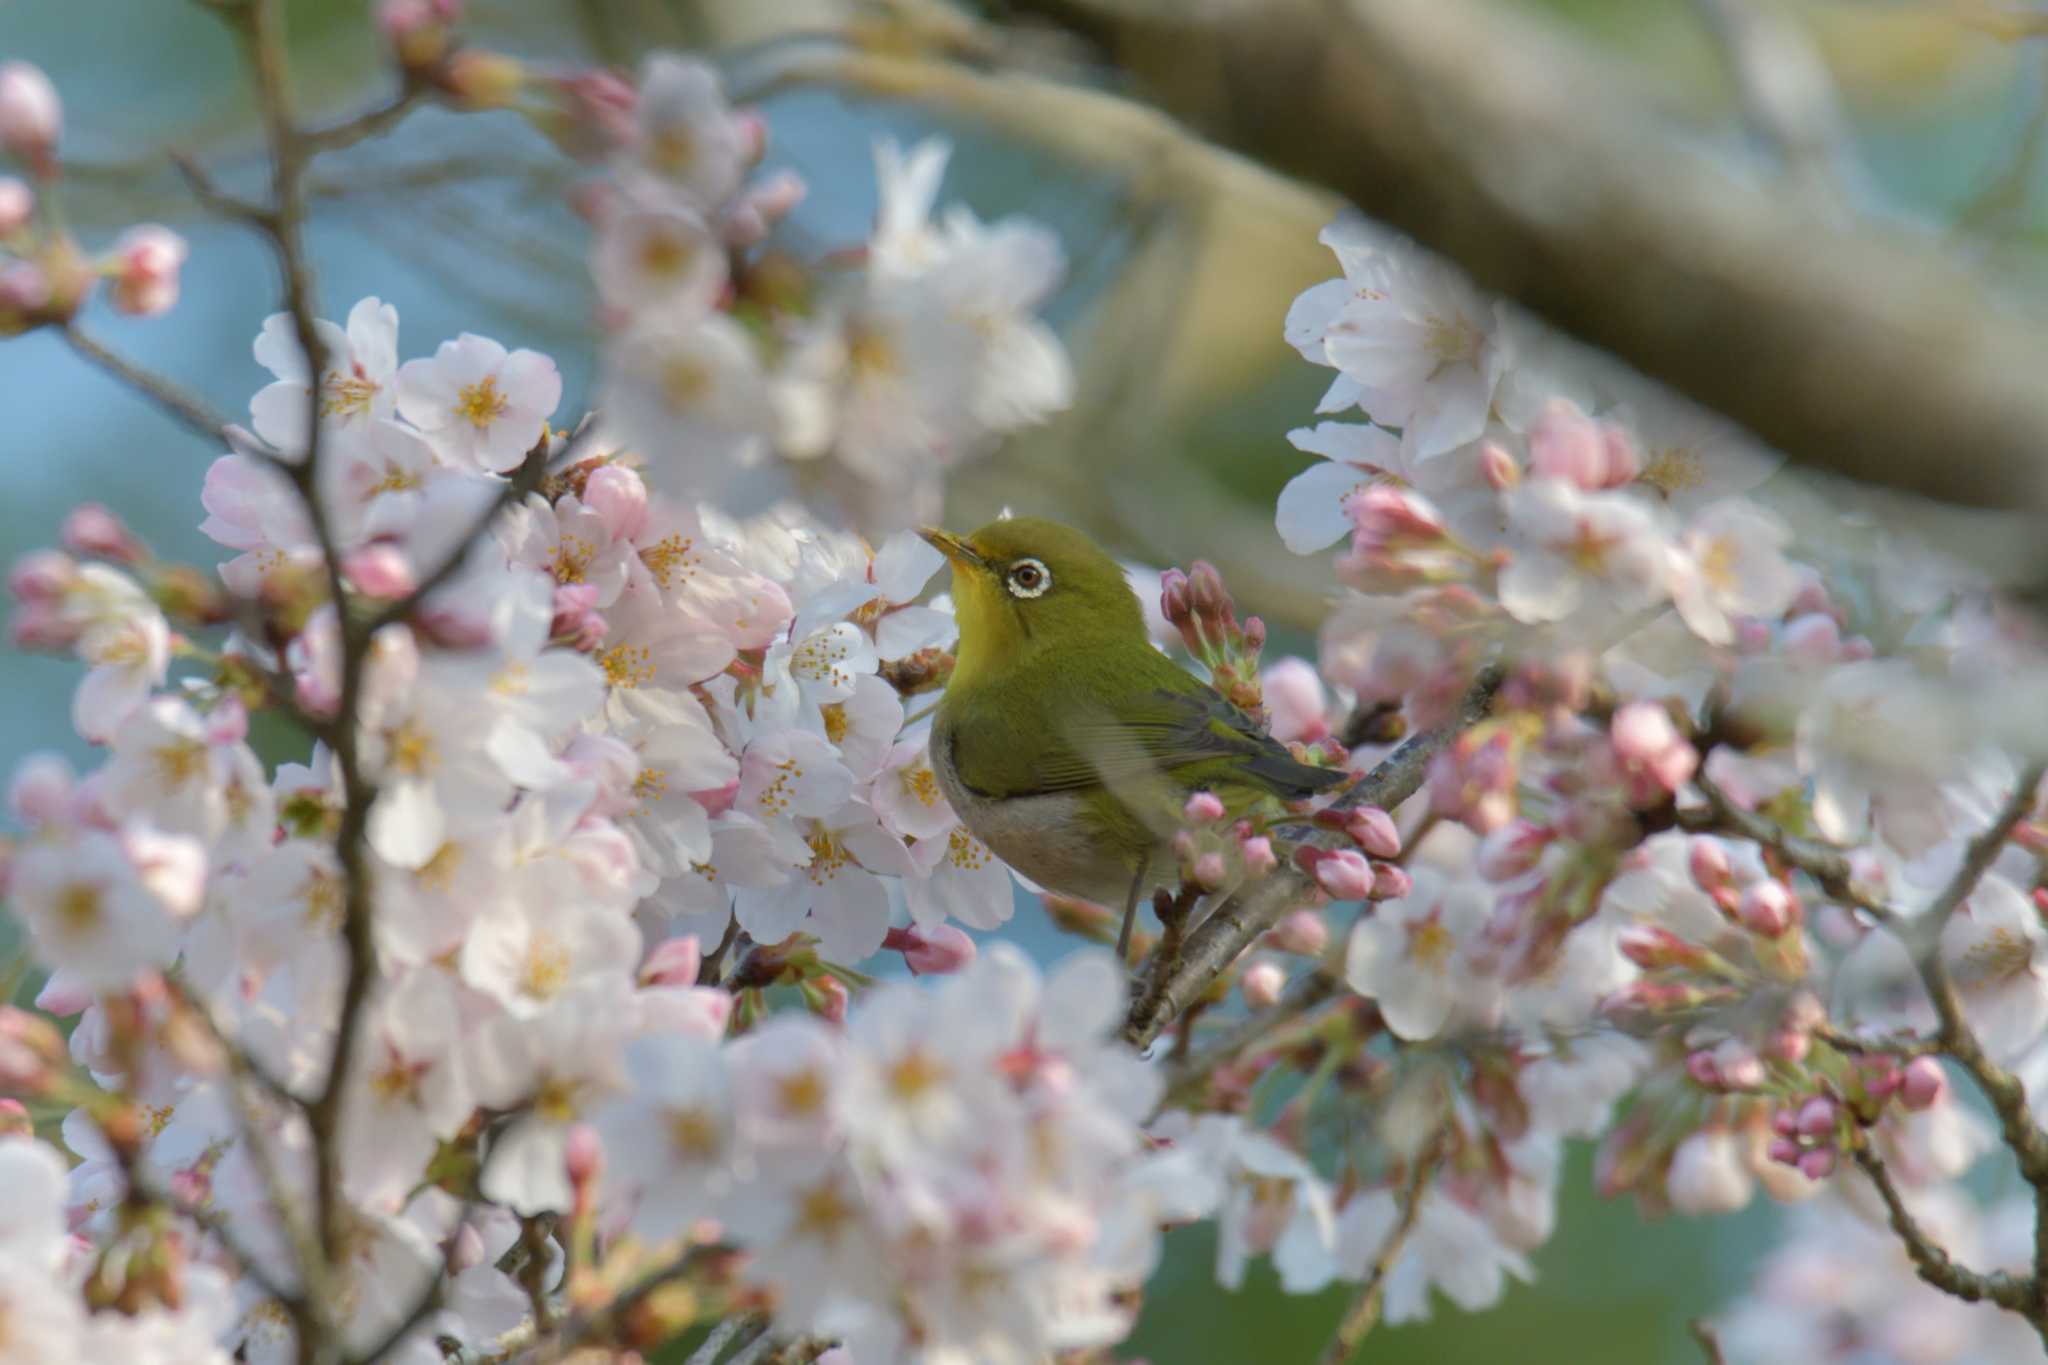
point(1024, 584)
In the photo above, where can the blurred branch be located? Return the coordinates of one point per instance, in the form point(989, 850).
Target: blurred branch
point(181, 403)
point(1710, 1343)
point(1929, 1258)
point(1863, 347)
point(1826, 865)
point(1787, 93)
point(1364, 1311)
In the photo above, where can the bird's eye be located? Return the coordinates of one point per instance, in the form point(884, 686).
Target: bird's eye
point(1029, 578)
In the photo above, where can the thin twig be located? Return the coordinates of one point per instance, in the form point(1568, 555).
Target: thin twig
point(594, 1325)
point(1301, 998)
point(1929, 1258)
point(524, 480)
point(1710, 1344)
point(367, 124)
point(1365, 1308)
point(1828, 866)
point(1232, 926)
point(181, 403)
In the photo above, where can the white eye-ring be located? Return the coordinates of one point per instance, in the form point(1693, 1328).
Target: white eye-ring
point(1028, 578)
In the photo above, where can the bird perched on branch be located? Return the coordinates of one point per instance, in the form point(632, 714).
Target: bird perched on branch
point(1066, 742)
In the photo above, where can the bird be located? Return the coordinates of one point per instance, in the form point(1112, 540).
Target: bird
point(1064, 740)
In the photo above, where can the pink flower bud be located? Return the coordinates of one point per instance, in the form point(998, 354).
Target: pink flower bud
point(1707, 859)
point(1203, 808)
point(1882, 1077)
point(1498, 466)
point(32, 1052)
point(1622, 462)
point(1768, 908)
point(619, 496)
point(41, 576)
point(1817, 1117)
point(145, 266)
point(828, 999)
point(1785, 1122)
point(42, 625)
point(41, 791)
point(31, 115)
point(1654, 756)
point(1740, 1068)
point(1922, 1085)
point(1784, 1151)
point(1700, 1066)
point(17, 205)
point(478, 79)
point(1390, 882)
point(1210, 871)
point(1513, 849)
point(1812, 640)
point(1384, 517)
point(1817, 1163)
point(1262, 984)
point(1296, 701)
point(14, 1119)
point(576, 618)
point(1302, 932)
point(379, 571)
point(939, 950)
point(674, 962)
point(61, 997)
point(91, 529)
point(1344, 874)
point(1786, 1045)
point(1566, 444)
point(1373, 830)
point(583, 1154)
point(24, 287)
point(1259, 858)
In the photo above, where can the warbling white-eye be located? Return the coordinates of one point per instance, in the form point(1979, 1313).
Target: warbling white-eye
point(1066, 742)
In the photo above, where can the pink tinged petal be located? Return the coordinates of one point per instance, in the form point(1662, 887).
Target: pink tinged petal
point(1452, 415)
point(373, 337)
point(1310, 515)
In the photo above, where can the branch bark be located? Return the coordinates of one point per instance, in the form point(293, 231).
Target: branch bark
point(1862, 347)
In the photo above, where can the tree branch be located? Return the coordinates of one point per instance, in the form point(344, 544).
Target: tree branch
point(182, 404)
point(1826, 865)
point(1866, 348)
point(1364, 1311)
point(1231, 927)
point(1929, 1258)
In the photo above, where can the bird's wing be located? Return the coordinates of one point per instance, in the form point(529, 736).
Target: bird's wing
point(1192, 737)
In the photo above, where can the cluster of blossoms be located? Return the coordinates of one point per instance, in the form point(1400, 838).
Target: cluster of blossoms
point(418, 1043)
point(45, 275)
point(1684, 860)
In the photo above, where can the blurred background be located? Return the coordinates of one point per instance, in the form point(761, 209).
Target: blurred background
point(1178, 279)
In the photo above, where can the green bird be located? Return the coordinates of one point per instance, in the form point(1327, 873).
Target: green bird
point(1066, 742)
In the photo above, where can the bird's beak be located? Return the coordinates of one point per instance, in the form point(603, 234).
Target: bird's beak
point(953, 547)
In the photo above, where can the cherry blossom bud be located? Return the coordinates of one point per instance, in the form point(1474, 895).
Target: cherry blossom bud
point(1700, 1066)
point(1817, 1163)
point(1390, 882)
point(146, 262)
point(14, 1119)
point(1210, 872)
point(1817, 1117)
point(674, 962)
point(31, 115)
point(1882, 1077)
point(619, 496)
point(17, 205)
point(1344, 874)
point(1295, 700)
point(1785, 1122)
point(1923, 1084)
point(1513, 849)
point(1784, 1151)
point(24, 288)
point(41, 576)
point(1262, 984)
point(1373, 830)
point(42, 625)
point(828, 999)
point(1258, 855)
point(32, 1052)
point(1785, 1045)
point(1707, 860)
point(1768, 908)
point(935, 951)
point(379, 571)
point(1740, 1068)
point(1302, 932)
point(1652, 947)
point(583, 1155)
point(62, 997)
point(1498, 466)
point(1203, 808)
point(1564, 443)
point(1653, 755)
point(477, 79)
point(40, 793)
